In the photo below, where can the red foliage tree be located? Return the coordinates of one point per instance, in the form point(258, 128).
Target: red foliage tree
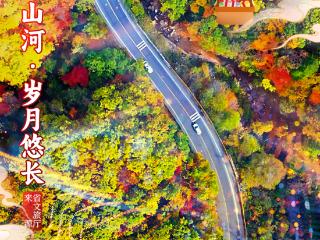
point(280, 78)
point(78, 75)
point(63, 18)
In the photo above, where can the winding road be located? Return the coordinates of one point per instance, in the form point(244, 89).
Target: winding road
point(185, 109)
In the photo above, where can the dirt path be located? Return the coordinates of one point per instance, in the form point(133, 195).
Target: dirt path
point(311, 37)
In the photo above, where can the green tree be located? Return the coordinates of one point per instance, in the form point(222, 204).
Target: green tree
point(208, 25)
point(312, 18)
point(85, 5)
point(258, 5)
point(136, 8)
point(308, 68)
point(126, 146)
point(228, 121)
point(175, 8)
point(107, 62)
point(216, 104)
point(216, 41)
point(96, 26)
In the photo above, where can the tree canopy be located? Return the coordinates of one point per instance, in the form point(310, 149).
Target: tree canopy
point(175, 8)
point(263, 170)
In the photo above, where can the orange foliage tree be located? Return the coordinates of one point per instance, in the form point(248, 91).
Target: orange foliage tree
point(265, 42)
point(197, 4)
point(314, 98)
point(264, 62)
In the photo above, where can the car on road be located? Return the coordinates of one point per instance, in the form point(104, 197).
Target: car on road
point(196, 128)
point(148, 67)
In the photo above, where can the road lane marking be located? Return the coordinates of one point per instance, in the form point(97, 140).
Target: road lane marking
point(194, 117)
point(141, 45)
point(168, 88)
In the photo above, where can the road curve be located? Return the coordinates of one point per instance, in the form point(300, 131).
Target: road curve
point(183, 106)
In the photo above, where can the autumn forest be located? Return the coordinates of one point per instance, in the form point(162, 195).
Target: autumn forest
point(115, 155)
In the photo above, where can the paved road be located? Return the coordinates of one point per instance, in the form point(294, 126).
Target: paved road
point(183, 106)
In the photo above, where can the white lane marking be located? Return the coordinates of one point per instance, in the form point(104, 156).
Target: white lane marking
point(164, 67)
point(151, 49)
point(113, 30)
point(233, 195)
point(120, 40)
point(141, 45)
point(142, 54)
point(194, 117)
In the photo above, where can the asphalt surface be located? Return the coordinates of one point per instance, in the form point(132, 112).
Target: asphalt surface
point(183, 106)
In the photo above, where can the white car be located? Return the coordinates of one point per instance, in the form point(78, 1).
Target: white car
point(196, 128)
point(148, 67)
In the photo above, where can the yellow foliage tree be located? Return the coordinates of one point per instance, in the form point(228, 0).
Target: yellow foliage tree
point(295, 43)
point(276, 25)
point(201, 3)
point(258, 5)
point(262, 127)
point(267, 85)
point(193, 30)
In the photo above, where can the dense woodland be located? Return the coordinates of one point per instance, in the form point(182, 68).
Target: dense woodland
point(264, 103)
point(106, 130)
